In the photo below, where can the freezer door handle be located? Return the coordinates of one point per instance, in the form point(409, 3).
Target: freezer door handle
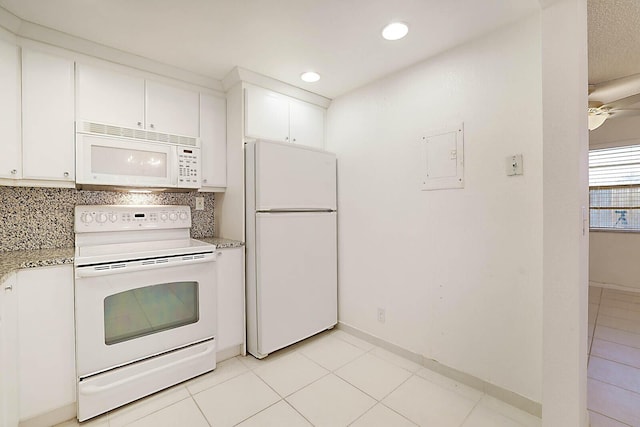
point(303, 210)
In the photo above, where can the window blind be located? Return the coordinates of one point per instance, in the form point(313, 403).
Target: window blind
point(614, 188)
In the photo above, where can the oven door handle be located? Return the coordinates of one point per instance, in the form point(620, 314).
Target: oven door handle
point(93, 389)
point(131, 266)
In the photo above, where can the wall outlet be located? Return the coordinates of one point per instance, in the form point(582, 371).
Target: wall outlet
point(199, 203)
point(381, 315)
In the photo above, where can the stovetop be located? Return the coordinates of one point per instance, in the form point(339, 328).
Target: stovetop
point(121, 233)
point(102, 253)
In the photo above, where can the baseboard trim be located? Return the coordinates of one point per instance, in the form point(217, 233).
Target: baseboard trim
point(51, 418)
point(514, 399)
point(228, 353)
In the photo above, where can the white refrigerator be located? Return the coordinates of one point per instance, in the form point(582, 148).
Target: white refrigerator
point(291, 244)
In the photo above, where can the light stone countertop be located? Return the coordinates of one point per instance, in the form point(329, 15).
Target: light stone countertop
point(221, 243)
point(11, 261)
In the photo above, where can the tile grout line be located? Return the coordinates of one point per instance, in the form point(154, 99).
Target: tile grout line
point(616, 342)
point(284, 398)
point(610, 417)
point(152, 412)
point(201, 411)
point(473, 409)
point(598, 356)
point(595, 325)
point(605, 381)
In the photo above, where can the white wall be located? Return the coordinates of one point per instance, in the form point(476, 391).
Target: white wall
point(459, 272)
point(613, 258)
point(565, 208)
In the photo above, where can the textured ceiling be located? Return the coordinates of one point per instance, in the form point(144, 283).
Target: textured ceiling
point(614, 39)
point(279, 38)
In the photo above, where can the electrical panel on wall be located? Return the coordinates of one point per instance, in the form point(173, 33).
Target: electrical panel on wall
point(443, 159)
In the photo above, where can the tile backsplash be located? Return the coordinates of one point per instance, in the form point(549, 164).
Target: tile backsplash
point(42, 218)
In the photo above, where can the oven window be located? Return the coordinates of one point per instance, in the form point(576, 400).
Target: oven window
point(144, 311)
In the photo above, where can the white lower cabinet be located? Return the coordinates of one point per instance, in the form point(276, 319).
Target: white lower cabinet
point(46, 340)
point(230, 264)
point(8, 353)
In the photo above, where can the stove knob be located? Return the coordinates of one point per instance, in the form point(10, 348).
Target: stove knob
point(173, 216)
point(183, 216)
point(86, 218)
point(101, 217)
point(163, 216)
point(113, 217)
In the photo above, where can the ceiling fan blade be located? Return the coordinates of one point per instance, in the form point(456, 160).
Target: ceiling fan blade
point(623, 102)
point(613, 90)
point(624, 112)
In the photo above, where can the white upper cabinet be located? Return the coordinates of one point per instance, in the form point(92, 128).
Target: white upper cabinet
point(105, 96)
point(266, 115)
point(213, 140)
point(48, 144)
point(171, 110)
point(306, 123)
point(273, 116)
point(113, 98)
point(10, 160)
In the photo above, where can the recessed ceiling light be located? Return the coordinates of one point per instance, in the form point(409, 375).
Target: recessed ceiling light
point(395, 31)
point(310, 77)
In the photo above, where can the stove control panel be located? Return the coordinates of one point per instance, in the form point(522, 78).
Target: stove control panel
point(98, 218)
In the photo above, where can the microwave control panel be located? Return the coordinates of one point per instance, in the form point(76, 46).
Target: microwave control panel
point(189, 167)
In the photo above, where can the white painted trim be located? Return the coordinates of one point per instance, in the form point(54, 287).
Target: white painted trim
point(507, 396)
point(228, 353)
point(51, 418)
point(239, 74)
point(9, 21)
point(28, 32)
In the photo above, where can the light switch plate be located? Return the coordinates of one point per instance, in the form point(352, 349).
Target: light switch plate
point(513, 165)
point(199, 203)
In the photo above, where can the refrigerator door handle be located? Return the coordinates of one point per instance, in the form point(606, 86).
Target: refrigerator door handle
point(294, 210)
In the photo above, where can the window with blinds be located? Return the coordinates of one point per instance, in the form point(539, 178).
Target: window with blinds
point(614, 188)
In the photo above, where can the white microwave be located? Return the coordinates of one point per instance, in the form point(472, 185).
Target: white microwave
point(134, 163)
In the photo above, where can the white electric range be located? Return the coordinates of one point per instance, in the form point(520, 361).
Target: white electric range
point(146, 304)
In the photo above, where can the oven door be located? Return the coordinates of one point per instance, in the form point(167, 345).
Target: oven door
point(128, 311)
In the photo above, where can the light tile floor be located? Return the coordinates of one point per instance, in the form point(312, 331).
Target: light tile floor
point(613, 384)
point(333, 379)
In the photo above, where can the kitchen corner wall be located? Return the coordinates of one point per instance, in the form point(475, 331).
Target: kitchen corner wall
point(42, 218)
point(458, 272)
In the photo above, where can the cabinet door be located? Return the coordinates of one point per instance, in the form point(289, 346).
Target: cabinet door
point(48, 145)
point(213, 140)
point(266, 115)
point(230, 264)
point(306, 124)
point(46, 347)
point(8, 353)
point(172, 110)
point(10, 160)
point(105, 96)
